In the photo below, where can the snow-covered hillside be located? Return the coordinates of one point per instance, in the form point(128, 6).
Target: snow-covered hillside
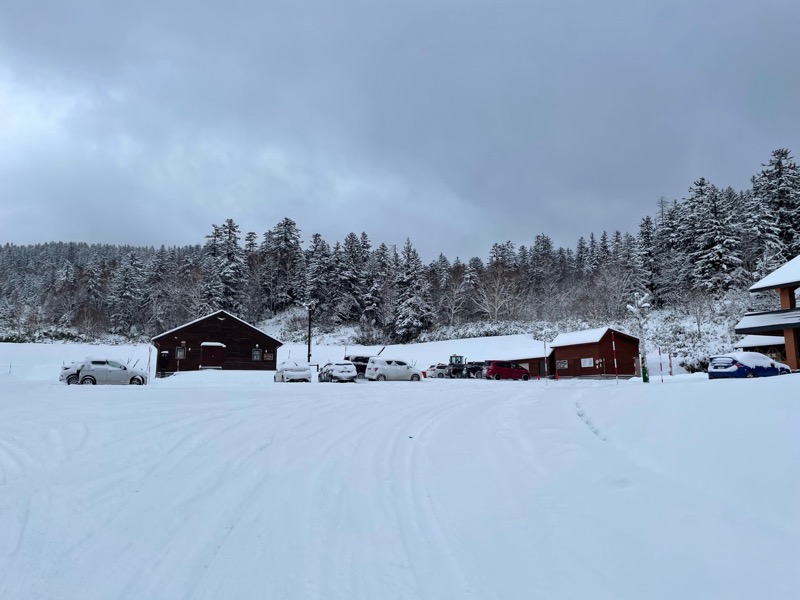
point(227, 485)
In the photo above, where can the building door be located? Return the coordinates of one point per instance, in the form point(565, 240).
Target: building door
point(212, 355)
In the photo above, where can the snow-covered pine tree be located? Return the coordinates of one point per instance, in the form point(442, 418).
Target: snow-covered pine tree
point(233, 268)
point(319, 272)
point(283, 276)
point(126, 296)
point(157, 301)
point(670, 276)
point(213, 288)
point(380, 306)
point(715, 258)
point(646, 267)
point(778, 186)
point(351, 279)
point(413, 313)
point(581, 256)
point(438, 274)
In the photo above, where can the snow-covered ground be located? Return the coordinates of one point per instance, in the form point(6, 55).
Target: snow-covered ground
point(227, 485)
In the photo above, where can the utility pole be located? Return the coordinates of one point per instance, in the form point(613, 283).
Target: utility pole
point(638, 309)
point(309, 306)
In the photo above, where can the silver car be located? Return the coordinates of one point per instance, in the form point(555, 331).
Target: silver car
point(391, 369)
point(94, 371)
point(292, 370)
point(340, 370)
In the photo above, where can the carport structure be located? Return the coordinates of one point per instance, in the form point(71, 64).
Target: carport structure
point(784, 322)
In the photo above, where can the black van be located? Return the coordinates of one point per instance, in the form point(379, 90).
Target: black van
point(361, 364)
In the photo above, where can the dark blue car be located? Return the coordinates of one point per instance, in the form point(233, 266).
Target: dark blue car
point(744, 364)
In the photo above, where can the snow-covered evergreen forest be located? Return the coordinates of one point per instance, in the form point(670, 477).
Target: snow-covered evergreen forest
point(695, 258)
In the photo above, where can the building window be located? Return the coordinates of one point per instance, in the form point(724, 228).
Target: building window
point(256, 353)
point(562, 364)
point(587, 363)
point(180, 353)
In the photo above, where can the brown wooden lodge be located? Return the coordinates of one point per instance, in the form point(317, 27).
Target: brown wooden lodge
point(588, 353)
point(218, 340)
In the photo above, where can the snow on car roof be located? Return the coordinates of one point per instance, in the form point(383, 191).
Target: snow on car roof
point(787, 275)
point(751, 359)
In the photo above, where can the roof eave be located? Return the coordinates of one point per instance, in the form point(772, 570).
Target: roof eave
point(765, 288)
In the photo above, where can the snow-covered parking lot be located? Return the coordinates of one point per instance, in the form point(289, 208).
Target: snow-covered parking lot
point(227, 485)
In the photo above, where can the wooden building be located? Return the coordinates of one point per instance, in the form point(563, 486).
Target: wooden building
point(590, 353)
point(539, 363)
point(218, 340)
point(784, 322)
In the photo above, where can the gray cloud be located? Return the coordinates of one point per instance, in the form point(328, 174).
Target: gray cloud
point(457, 124)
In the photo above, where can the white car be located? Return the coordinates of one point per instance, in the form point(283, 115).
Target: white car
point(391, 369)
point(340, 370)
point(94, 371)
point(293, 370)
point(439, 370)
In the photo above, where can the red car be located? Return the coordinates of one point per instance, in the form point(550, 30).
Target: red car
point(502, 369)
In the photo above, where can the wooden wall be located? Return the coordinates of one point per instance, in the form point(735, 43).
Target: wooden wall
point(601, 355)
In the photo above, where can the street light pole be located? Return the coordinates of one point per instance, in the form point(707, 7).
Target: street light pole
point(309, 333)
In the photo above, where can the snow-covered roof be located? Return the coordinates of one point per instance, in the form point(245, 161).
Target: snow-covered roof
point(769, 321)
point(758, 341)
point(216, 312)
point(786, 276)
point(574, 338)
point(536, 351)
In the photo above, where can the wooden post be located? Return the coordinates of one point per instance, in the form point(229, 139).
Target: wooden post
point(790, 338)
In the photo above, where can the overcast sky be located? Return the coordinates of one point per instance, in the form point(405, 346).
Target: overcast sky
point(457, 123)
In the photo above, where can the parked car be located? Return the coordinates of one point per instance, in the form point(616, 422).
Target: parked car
point(361, 364)
point(745, 364)
point(390, 369)
point(93, 371)
point(438, 370)
point(503, 369)
point(293, 370)
point(340, 370)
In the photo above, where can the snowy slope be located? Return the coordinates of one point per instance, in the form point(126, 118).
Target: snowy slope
point(226, 485)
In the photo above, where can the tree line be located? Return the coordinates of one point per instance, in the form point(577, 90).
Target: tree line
point(713, 241)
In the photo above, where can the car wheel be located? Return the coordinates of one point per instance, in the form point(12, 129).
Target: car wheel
point(88, 381)
point(497, 377)
point(72, 380)
point(440, 376)
point(750, 375)
point(381, 378)
point(136, 380)
point(415, 377)
point(783, 372)
point(524, 378)
point(478, 375)
point(360, 376)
